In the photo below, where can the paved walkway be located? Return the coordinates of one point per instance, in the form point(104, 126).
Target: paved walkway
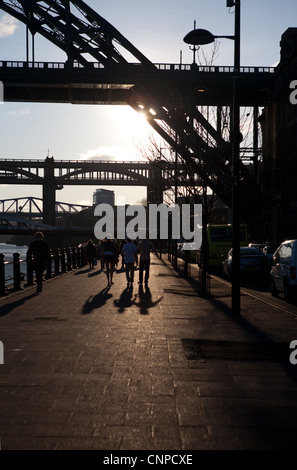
point(86, 367)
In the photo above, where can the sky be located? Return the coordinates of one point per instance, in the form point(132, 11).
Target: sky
point(157, 29)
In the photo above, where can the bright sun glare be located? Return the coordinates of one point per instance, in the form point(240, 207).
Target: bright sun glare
point(136, 128)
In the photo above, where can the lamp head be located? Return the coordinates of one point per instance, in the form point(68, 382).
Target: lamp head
point(198, 37)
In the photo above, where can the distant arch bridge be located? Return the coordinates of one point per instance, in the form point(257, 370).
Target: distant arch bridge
point(53, 175)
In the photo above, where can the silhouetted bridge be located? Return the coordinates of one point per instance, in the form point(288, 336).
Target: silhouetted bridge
point(55, 174)
point(103, 67)
point(59, 82)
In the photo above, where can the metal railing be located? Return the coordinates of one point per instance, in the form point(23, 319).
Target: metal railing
point(59, 262)
point(186, 265)
point(160, 66)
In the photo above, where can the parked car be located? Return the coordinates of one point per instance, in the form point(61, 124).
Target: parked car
point(257, 245)
point(283, 272)
point(252, 262)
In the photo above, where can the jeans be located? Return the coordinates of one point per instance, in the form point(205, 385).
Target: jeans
point(130, 272)
point(144, 265)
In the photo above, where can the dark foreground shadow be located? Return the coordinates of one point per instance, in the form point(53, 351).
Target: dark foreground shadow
point(145, 300)
point(6, 309)
point(126, 299)
point(96, 301)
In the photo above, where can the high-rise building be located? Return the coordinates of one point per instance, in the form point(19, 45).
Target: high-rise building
point(103, 196)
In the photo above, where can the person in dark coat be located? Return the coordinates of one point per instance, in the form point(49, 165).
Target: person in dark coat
point(91, 253)
point(37, 256)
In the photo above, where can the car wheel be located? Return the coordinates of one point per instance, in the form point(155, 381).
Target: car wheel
point(273, 290)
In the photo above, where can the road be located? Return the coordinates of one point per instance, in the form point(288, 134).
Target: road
point(261, 291)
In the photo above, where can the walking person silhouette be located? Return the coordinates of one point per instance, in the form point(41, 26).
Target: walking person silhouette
point(37, 256)
point(129, 251)
point(144, 247)
point(110, 253)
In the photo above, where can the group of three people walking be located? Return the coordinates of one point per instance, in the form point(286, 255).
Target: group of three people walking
point(129, 250)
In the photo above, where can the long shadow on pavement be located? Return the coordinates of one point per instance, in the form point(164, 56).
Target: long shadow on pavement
point(145, 300)
point(126, 300)
point(6, 309)
point(96, 301)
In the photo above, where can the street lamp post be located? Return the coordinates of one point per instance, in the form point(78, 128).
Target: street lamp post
point(200, 37)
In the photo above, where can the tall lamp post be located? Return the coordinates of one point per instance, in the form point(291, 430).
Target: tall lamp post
point(201, 37)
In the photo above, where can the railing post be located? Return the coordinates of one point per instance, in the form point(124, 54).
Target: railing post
point(2, 274)
point(49, 265)
point(74, 258)
point(69, 265)
point(63, 261)
point(186, 265)
point(78, 252)
point(16, 271)
point(57, 263)
point(83, 255)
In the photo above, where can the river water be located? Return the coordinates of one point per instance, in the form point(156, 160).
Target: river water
point(8, 250)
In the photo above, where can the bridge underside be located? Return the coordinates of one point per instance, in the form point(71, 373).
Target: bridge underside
point(65, 83)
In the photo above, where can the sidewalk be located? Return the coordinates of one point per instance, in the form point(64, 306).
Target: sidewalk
point(86, 367)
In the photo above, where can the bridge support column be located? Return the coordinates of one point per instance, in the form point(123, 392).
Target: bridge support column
point(49, 193)
point(155, 188)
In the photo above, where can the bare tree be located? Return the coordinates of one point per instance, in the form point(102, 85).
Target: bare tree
point(188, 179)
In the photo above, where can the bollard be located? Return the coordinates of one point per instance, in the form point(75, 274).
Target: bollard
point(2, 274)
point(63, 261)
point(57, 262)
point(79, 257)
point(186, 265)
point(49, 269)
point(69, 265)
point(74, 258)
point(16, 271)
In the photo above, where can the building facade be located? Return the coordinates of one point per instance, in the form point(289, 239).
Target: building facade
point(278, 169)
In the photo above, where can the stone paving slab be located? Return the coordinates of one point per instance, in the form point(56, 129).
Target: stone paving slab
point(88, 367)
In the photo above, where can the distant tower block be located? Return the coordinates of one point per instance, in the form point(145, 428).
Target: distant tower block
point(103, 196)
